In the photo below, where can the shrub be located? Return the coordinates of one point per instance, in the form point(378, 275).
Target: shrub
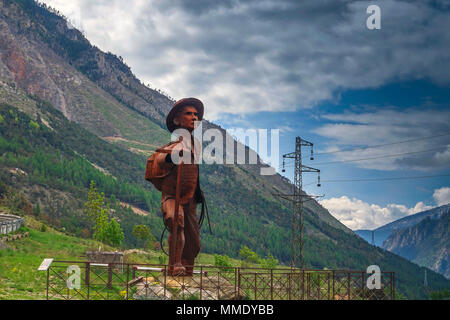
point(269, 262)
point(223, 261)
point(248, 255)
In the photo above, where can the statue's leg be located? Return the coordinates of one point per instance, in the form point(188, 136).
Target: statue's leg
point(168, 209)
point(192, 236)
point(178, 268)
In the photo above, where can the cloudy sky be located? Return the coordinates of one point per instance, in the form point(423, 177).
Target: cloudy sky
point(375, 103)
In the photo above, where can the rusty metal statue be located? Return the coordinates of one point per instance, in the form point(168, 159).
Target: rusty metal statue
point(180, 187)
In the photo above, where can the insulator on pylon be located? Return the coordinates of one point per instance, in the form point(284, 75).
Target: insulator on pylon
point(318, 179)
point(312, 155)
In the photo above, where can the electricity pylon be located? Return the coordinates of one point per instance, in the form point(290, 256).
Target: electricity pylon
point(297, 199)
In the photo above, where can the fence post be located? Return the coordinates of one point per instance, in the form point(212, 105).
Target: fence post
point(328, 281)
point(165, 280)
point(271, 284)
point(348, 284)
point(308, 292)
point(363, 291)
point(236, 289)
point(218, 283)
point(319, 287)
point(289, 286)
point(392, 286)
point(128, 277)
point(256, 292)
point(201, 281)
point(48, 280)
point(109, 285)
point(239, 279)
point(334, 291)
point(87, 277)
point(86, 273)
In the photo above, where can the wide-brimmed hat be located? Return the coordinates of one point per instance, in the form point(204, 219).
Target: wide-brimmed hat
point(178, 106)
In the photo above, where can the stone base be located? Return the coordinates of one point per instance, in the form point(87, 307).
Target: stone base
point(185, 288)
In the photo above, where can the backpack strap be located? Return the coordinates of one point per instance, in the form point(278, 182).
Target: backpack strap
point(202, 214)
point(162, 150)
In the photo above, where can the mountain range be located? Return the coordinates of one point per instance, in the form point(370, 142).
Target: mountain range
point(422, 238)
point(70, 113)
point(383, 232)
point(426, 243)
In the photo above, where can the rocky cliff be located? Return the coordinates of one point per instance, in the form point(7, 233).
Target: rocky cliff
point(426, 243)
point(44, 55)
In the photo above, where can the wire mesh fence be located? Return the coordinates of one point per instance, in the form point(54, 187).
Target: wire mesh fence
point(74, 280)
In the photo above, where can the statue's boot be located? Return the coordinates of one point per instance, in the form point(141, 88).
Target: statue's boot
point(178, 269)
point(189, 265)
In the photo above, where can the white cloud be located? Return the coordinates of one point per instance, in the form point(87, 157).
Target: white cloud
point(357, 214)
point(250, 56)
point(387, 126)
point(284, 129)
point(442, 196)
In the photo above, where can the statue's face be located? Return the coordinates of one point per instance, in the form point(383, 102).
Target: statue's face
point(186, 118)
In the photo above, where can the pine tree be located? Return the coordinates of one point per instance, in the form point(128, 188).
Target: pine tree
point(96, 211)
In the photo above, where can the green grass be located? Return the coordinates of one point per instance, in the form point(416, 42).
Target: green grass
point(20, 279)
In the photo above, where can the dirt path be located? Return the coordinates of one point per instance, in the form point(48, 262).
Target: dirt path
point(115, 139)
point(135, 209)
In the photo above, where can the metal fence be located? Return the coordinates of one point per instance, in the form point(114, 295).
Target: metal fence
point(74, 280)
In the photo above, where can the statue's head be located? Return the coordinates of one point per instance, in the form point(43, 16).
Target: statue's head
point(184, 113)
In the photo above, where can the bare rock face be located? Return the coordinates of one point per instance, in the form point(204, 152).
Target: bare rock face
point(40, 54)
point(442, 262)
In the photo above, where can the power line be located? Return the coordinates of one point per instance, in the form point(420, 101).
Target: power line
point(383, 179)
point(380, 145)
point(377, 157)
point(380, 157)
point(385, 144)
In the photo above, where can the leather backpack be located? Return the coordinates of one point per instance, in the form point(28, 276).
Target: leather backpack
point(153, 172)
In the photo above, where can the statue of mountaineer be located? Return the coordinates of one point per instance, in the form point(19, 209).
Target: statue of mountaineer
point(173, 169)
